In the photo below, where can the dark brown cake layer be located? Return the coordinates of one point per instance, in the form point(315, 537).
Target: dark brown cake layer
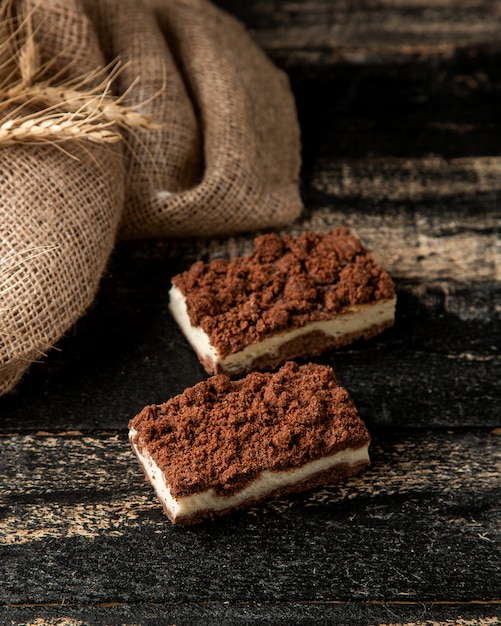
point(308, 345)
point(337, 473)
point(221, 434)
point(284, 284)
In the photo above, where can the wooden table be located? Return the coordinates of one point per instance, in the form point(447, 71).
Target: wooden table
point(399, 103)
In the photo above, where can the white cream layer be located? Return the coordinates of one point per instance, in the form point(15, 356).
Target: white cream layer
point(358, 319)
point(265, 483)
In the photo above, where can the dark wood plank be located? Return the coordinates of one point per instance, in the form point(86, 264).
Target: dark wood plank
point(79, 524)
point(439, 366)
point(238, 614)
point(387, 26)
point(399, 107)
point(405, 153)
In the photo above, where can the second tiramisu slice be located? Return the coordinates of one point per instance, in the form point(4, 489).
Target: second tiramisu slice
point(290, 298)
point(224, 444)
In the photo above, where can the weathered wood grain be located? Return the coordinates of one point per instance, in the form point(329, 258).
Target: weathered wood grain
point(322, 31)
point(407, 154)
point(399, 104)
point(238, 614)
point(439, 366)
point(79, 523)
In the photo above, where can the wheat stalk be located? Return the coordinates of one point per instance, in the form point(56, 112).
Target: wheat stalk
point(56, 127)
point(53, 130)
point(72, 101)
point(68, 111)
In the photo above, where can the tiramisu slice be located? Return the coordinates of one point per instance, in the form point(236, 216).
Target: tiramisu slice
point(225, 444)
point(290, 298)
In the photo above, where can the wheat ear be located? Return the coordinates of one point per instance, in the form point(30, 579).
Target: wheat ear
point(69, 111)
point(55, 128)
point(72, 100)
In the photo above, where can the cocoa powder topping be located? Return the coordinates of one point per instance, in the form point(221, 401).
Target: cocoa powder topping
point(285, 283)
point(220, 433)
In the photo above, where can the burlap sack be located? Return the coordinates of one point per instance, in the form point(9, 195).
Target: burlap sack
point(224, 159)
point(59, 212)
point(227, 159)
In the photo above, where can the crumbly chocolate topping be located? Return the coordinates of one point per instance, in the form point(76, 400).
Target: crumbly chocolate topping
point(285, 283)
point(220, 433)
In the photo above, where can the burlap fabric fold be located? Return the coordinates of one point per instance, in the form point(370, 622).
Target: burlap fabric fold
point(59, 212)
point(223, 157)
point(227, 158)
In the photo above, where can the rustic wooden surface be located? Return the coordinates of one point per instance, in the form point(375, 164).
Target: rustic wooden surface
point(399, 106)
